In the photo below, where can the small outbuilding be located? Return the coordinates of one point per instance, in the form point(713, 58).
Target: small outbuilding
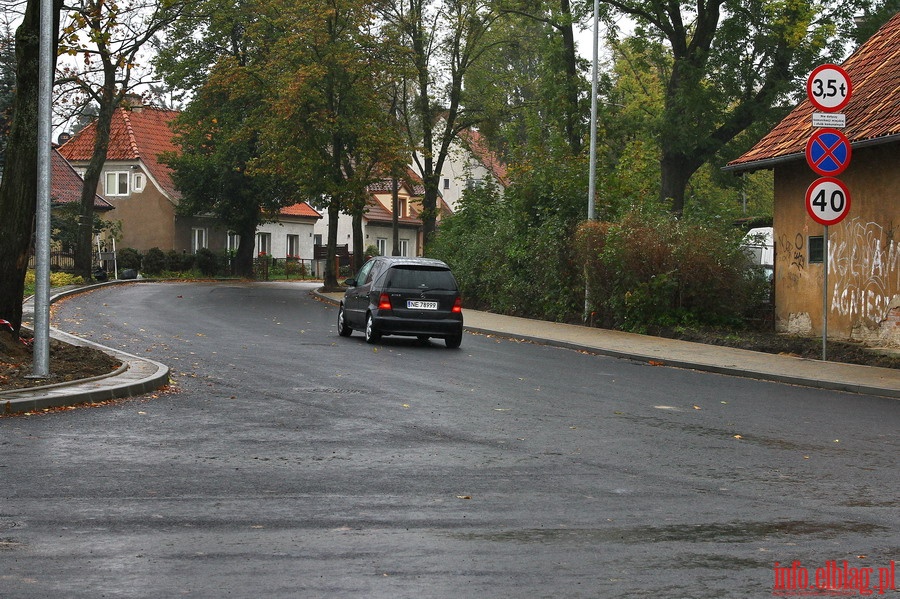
point(863, 250)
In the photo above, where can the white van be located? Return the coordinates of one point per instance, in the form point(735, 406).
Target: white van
point(760, 246)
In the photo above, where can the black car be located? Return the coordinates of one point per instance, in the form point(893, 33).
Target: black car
point(415, 297)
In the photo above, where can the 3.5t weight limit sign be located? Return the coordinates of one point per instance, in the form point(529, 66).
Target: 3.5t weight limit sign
point(829, 88)
point(828, 201)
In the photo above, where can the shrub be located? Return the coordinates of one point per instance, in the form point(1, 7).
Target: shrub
point(154, 261)
point(179, 261)
point(646, 271)
point(207, 262)
point(128, 258)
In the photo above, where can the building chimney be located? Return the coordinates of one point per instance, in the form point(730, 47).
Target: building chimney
point(133, 102)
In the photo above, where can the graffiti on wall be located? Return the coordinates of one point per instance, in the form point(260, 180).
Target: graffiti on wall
point(864, 265)
point(792, 255)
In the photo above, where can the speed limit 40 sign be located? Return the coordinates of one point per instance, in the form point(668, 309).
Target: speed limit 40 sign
point(828, 201)
point(829, 88)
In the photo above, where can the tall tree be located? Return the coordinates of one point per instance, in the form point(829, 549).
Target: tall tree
point(18, 189)
point(331, 122)
point(109, 37)
point(542, 33)
point(219, 139)
point(444, 39)
point(7, 84)
point(732, 64)
point(212, 54)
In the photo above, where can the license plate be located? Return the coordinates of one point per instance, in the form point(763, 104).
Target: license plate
point(420, 305)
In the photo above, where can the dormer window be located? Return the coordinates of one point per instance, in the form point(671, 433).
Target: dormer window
point(117, 183)
point(137, 181)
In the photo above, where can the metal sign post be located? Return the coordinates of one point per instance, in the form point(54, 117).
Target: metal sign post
point(828, 152)
point(825, 298)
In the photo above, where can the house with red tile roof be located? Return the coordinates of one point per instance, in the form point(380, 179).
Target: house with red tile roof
point(66, 184)
point(863, 250)
point(470, 164)
point(145, 199)
point(378, 218)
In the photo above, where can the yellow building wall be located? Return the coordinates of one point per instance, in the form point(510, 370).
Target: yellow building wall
point(863, 300)
point(148, 219)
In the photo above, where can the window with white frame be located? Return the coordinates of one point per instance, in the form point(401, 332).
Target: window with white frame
point(381, 244)
point(232, 241)
point(404, 247)
point(293, 246)
point(402, 207)
point(117, 183)
point(138, 181)
point(263, 244)
point(198, 239)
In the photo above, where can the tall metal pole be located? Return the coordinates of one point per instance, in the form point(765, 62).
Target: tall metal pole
point(825, 295)
point(592, 168)
point(41, 349)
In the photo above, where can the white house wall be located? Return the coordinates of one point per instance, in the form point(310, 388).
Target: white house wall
point(279, 232)
point(371, 233)
point(460, 168)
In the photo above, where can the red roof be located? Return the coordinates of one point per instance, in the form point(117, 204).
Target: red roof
point(377, 213)
point(873, 112)
point(66, 184)
point(477, 144)
point(300, 209)
point(139, 133)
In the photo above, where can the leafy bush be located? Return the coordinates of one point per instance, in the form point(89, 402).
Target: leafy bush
point(154, 261)
point(509, 260)
point(128, 258)
point(209, 263)
point(179, 261)
point(657, 271)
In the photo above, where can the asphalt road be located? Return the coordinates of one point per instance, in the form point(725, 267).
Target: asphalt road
point(289, 462)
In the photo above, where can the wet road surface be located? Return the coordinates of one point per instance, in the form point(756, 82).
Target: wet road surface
point(288, 462)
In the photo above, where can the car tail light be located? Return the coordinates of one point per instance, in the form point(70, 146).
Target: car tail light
point(384, 302)
point(457, 305)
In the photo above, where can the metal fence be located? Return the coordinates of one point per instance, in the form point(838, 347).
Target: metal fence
point(58, 261)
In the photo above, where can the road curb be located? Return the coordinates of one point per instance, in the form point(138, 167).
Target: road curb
point(136, 375)
point(822, 382)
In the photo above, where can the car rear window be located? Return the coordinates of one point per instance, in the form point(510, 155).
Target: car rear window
point(418, 277)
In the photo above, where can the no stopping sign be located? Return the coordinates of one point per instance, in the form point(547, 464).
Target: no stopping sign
point(827, 201)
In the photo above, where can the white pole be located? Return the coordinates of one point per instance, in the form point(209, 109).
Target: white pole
point(592, 172)
point(41, 349)
point(592, 168)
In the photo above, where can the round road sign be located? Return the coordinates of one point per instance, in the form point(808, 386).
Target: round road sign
point(828, 152)
point(829, 88)
point(828, 201)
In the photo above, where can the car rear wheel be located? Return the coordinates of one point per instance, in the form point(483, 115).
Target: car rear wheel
point(372, 334)
point(344, 329)
point(454, 341)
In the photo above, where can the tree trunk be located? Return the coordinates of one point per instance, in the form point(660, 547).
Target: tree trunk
point(331, 248)
point(18, 189)
point(84, 245)
point(243, 259)
point(395, 217)
point(359, 249)
point(572, 114)
point(676, 171)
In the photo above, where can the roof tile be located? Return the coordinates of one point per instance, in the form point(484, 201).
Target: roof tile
point(872, 113)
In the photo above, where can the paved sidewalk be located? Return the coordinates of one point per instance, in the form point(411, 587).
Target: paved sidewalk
point(140, 375)
point(685, 354)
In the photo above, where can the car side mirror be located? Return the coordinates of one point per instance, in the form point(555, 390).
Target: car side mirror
point(350, 283)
